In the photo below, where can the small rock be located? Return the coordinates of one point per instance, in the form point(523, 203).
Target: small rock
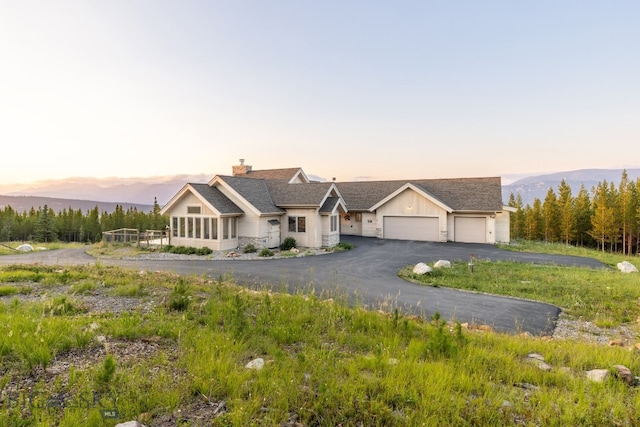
point(624, 374)
point(527, 386)
point(535, 356)
point(422, 268)
point(256, 364)
point(130, 424)
point(538, 360)
point(393, 361)
point(616, 343)
point(598, 375)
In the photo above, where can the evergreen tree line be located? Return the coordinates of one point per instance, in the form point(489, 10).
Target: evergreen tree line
point(607, 217)
point(69, 225)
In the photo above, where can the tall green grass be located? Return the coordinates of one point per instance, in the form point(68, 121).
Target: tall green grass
point(605, 296)
point(326, 363)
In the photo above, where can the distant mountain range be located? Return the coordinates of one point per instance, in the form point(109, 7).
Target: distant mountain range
point(25, 203)
point(87, 193)
point(534, 187)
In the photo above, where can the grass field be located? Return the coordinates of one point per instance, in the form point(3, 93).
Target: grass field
point(95, 346)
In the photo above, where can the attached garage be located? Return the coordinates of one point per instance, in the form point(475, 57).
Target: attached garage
point(470, 229)
point(411, 228)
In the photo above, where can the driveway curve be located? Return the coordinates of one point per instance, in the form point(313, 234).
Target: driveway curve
point(367, 275)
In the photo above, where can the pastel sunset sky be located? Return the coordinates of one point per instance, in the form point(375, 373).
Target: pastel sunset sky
point(351, 89)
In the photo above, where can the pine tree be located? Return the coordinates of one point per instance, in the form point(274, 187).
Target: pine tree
point(583, 214)
point(627, 208)
point(44, 227)
point(517, 223)
point(602, 221)
point(567, 213)
point(551, 217)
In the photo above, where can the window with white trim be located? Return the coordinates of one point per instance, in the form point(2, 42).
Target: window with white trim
point(334, 223)
point(190, 228)
point(214, 228)
point(195, 210)
point(225, 228)
point(297, 224)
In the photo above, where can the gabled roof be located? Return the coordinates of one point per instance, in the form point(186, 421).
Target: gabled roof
point(330, 204)
point(287, 175)
point(460, 194)
point(418, 189)
point(216, 199)
point(309, 195)
point(209, 195)
point(254, 191)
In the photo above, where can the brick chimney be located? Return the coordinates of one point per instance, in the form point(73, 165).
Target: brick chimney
point(241, 169)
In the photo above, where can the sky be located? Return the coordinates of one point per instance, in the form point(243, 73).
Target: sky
point(348, 89)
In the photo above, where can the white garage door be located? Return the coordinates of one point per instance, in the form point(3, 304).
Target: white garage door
point(471, 230)
point(411, 228)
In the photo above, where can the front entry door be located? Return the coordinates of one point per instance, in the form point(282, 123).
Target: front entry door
point(274, 234)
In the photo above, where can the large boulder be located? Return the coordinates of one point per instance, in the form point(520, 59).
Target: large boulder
point(442, 263)
point(24, 248)
point(627, 267)
point(422, 268)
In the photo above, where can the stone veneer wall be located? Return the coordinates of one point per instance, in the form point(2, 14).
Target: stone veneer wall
point(258, 242)
point(329, 241)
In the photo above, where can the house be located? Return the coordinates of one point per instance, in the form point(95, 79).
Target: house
point(263, 207)
point(437, 210)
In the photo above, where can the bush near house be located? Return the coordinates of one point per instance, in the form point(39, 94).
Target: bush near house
point(187, 250)
point(250, 249)
point(288, 244)
point(265, 252)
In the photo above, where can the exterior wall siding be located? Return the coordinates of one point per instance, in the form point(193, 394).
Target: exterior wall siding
point(312, 237)
point(503, 227)
point(369, 224)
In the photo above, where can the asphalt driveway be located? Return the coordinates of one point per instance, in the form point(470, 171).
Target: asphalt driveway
point(367, 275)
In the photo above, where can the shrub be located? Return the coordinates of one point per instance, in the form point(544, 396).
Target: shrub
point(288, 244)
point(107, 371)
point(265, 252)
point(343, 246)
point(179, 299)
point(204, 251)
point(250, 249)
point(187, 250)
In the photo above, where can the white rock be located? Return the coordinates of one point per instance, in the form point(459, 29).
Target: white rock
point(598, 375)
point(422, 268)
point(24, 248)
point(256, 364)
point(442, 263)
point(627, 267)
point(130, 424)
